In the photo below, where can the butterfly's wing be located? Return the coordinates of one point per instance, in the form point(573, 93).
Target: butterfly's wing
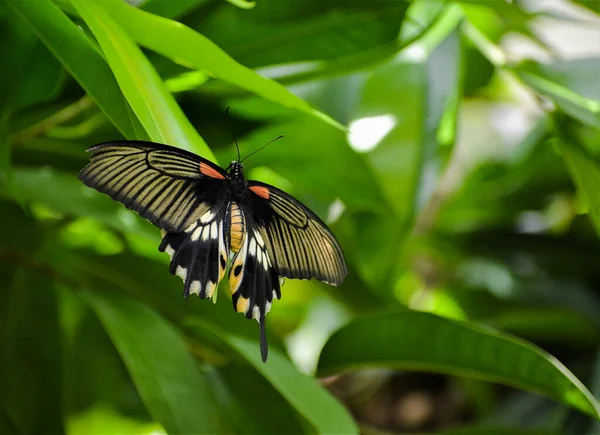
point(199, 254)
point(299, 244)
point(253, 280)
point(170, 187)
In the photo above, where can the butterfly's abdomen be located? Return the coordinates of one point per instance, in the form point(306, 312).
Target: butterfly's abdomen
point(238, 227)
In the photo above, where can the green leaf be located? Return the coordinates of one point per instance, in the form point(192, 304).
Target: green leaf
point(423, 341)
point(309, 399)
point(79, 57)
point(165, 374)
point(572, 85)
point(249, 415)
point(179, 42)
point(583, 167)
point(310, 31)
point(156, 108)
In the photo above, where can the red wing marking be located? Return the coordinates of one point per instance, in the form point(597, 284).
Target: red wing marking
point(261, 191)
point(210, 172)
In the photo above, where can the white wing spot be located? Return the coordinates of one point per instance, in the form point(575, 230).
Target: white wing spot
point(190, 228)
point(181, 272)
point(207, 217)
point(195, 287)
point(210, 289)
point(256, 313)
point(196, 234)
point(169, 250)
point(214, 230)
point(205, 233)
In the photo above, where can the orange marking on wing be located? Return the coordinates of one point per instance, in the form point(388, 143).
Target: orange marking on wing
point(263, 192)
point(210, 172)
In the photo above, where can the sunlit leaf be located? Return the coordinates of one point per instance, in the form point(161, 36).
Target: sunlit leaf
point(153, 104)
point(179, 42)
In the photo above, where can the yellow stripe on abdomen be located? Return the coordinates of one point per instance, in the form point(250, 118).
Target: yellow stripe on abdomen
point(237, 230)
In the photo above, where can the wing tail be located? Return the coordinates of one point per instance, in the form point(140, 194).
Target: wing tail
point(254, 282)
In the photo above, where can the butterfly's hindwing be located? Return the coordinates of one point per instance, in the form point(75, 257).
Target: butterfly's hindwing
point(253, 280)
point(199, 254)
point(169, 187)
point(299, 243)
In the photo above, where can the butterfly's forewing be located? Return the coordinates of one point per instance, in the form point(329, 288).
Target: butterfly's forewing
point(299, 244)
point(168, 186)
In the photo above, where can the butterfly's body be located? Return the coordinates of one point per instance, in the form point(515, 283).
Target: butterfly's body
point(212, 217)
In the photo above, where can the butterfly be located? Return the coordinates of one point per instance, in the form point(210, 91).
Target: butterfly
point(213, 220)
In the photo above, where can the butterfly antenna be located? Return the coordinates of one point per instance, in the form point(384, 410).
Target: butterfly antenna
point(237, 147)
point(262, 147)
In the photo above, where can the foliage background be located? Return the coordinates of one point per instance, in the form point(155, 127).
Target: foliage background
point(452, 146)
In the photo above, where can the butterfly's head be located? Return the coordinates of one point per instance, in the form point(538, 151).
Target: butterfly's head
point(236, 169)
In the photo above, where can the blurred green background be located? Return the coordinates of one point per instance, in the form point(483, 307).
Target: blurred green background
point(452, 146)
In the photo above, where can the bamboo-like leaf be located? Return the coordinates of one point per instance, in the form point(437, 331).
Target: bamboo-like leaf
point(186, 46)
point(79, 57)
point(156, 108)
point(165, 374)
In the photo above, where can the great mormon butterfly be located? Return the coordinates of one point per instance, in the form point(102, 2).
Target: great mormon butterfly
point(207, 214)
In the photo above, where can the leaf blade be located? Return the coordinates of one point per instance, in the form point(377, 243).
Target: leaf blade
point(156, 108)
point(309, 399)
point(165, 375)
point(177, 41)
point(80, 58)
point(423, 341)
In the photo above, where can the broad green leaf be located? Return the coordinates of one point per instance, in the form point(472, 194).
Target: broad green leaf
point(422, 341)
point(179, 42)
point(79, 57)
point(309, 399)
point(165, 374)
point(156, 108)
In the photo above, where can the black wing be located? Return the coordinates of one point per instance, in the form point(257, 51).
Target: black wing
point(199, 254)
point(253, 280)
point(172, 188)
point(299, 244)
